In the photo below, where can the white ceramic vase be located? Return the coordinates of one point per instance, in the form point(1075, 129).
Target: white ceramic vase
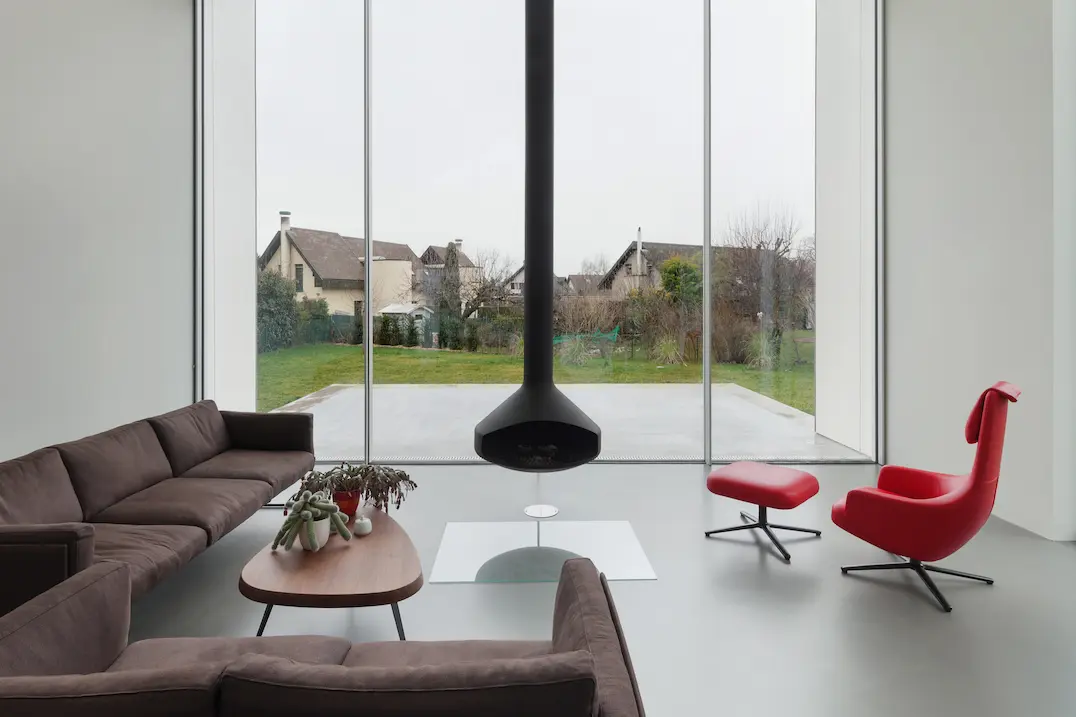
point(362, 525)
point(321, 532)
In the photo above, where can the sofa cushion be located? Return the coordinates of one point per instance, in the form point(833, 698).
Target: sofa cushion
point(188, 691)
point(110, 466)
point(560, 685)
point(191, 435)
point(152, 552)
point(36, 489)
point(415, 654)
point(179, 651)
point(277, 468)
point(582, 620)
point(216, 505)
point(78, 626)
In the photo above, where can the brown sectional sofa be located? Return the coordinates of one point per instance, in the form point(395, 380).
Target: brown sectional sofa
point(65, 653)
point(151, 494)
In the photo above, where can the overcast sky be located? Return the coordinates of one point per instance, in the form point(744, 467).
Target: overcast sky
point(447, 127)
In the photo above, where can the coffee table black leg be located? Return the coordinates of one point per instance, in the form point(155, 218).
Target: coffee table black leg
point(265, 619)
point(399, 622)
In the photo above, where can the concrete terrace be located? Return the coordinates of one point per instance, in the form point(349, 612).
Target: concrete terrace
point(639, 422)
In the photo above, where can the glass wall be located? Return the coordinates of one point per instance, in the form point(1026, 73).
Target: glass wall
point(762, 308)
point(310, 183)
point(632, 305)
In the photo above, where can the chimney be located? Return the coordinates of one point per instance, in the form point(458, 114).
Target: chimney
point(639, 258)
point(285, 244)
point(459, 246)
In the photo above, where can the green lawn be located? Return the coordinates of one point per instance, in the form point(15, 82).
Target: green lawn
point(288, 374)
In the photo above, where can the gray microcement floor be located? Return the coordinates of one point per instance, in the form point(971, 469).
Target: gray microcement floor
point(727, 628)
point(639, 421)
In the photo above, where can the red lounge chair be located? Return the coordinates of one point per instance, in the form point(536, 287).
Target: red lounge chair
point(927, 516)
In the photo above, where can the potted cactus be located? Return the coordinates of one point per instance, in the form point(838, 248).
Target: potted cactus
point(312, 518)
point(379, 486)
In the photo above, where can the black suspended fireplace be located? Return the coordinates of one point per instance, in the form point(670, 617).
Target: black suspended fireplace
point(537, 429)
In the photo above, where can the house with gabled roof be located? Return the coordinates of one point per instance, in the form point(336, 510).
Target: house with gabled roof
point(330, 266)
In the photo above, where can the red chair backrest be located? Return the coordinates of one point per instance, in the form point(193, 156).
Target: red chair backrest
point(986, 427)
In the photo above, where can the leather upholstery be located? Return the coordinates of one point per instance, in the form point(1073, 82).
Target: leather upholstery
point(928, 516)
point(152, 552)
point(110, 466)
point(191, 435)
point(277, 468)
point(36, 489)
point(771, 486)
point(216, 505)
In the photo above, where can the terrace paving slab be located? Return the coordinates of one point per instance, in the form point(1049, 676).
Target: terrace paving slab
point(653, 422)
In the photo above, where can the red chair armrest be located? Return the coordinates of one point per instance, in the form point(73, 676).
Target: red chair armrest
point(878, 507)
point(912, 483)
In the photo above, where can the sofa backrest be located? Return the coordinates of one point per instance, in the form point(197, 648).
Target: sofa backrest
point(110, 466)
point(79, 626)
point(37, 489)
point(561, 685)
point(191, 435)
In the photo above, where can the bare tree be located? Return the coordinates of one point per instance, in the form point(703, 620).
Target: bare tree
point(595, 265)
point(462, 290)
point(760, 275)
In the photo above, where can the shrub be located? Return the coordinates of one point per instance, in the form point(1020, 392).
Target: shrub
point(517, 345)
point(574, 351)
point(682, 281)
point(666, 351)
point(357, 329)
point(410, 337)
point(391, 328)
point(762, 352)
point(277, 312)
point(471, 337)
point(427, 334)
point(450, 330)
point(313, 309)
point(381, 331)
point(732, 336)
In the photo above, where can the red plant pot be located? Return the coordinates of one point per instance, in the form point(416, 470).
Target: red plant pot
point(348, 500)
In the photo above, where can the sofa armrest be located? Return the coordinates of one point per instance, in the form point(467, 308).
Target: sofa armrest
point(583, 619)
point(270, 431)
point(41, 556)
point(78, 627)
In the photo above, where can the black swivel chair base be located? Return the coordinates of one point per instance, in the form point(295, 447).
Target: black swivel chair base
point(763, 524)
point(922, 569)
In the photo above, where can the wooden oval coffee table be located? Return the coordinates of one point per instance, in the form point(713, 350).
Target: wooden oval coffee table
point(381, 568)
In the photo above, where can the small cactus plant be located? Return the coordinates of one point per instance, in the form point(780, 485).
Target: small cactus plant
point(303, 511)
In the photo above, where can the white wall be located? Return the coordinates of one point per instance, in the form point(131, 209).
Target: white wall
point(230, 157)
point(1064, 275)
point(970, 242)
point(845, 236)
point(96, 214)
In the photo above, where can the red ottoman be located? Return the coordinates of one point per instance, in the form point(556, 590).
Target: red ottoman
point(767, 487)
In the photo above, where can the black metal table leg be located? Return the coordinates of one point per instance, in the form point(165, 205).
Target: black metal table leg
point(265, 619)
point(399, 621)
